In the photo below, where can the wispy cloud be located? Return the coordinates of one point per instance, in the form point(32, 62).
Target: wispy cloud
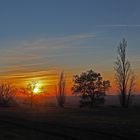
point(36, 51)
point(56, 42)
point(20, 68)
point(120, 25)
point(32, 74)
point(30, 58)
point(17, 77)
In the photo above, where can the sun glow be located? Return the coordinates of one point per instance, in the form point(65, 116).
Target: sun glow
point(37, 88)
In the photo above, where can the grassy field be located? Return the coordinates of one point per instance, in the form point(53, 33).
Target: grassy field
point(69, 123)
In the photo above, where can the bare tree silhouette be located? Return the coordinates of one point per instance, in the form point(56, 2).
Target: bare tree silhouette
point(125, 78)
point(7, 93)
point(30, 91)
point(61, 95)
point(91, 87)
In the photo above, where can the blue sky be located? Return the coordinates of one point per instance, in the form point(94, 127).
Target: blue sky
point(67, 34)
point(42, 18)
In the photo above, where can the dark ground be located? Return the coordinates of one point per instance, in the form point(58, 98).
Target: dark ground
point(52, 123)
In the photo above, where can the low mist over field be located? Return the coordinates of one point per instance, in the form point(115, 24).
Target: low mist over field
point(73, 101)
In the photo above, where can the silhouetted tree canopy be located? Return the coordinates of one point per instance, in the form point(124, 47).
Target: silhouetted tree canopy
point(124, 76)
point(91, 86)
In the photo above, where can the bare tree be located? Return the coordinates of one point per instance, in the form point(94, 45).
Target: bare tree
point(124, 76)
point(30, 91)
point(7, 93)
point(61, 95)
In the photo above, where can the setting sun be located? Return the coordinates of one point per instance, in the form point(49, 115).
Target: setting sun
point(36, 90)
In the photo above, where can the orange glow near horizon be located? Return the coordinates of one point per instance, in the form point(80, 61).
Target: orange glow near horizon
point(48, 82)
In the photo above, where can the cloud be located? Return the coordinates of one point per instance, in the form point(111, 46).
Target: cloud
point(120, 25)
point(37, 50)
point(33, 58)
point(77, 37)
point(22, 77)
point(31, 67)
point(56, 42)
point(18, 57)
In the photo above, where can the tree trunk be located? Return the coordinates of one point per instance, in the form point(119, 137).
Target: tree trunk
point(128, 99)
point(92, 101)
point(31, 102)
point(123, 100)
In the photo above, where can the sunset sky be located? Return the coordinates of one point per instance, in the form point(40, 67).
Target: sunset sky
point(41, 38)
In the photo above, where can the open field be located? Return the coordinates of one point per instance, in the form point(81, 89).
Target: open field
point(69, 123)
